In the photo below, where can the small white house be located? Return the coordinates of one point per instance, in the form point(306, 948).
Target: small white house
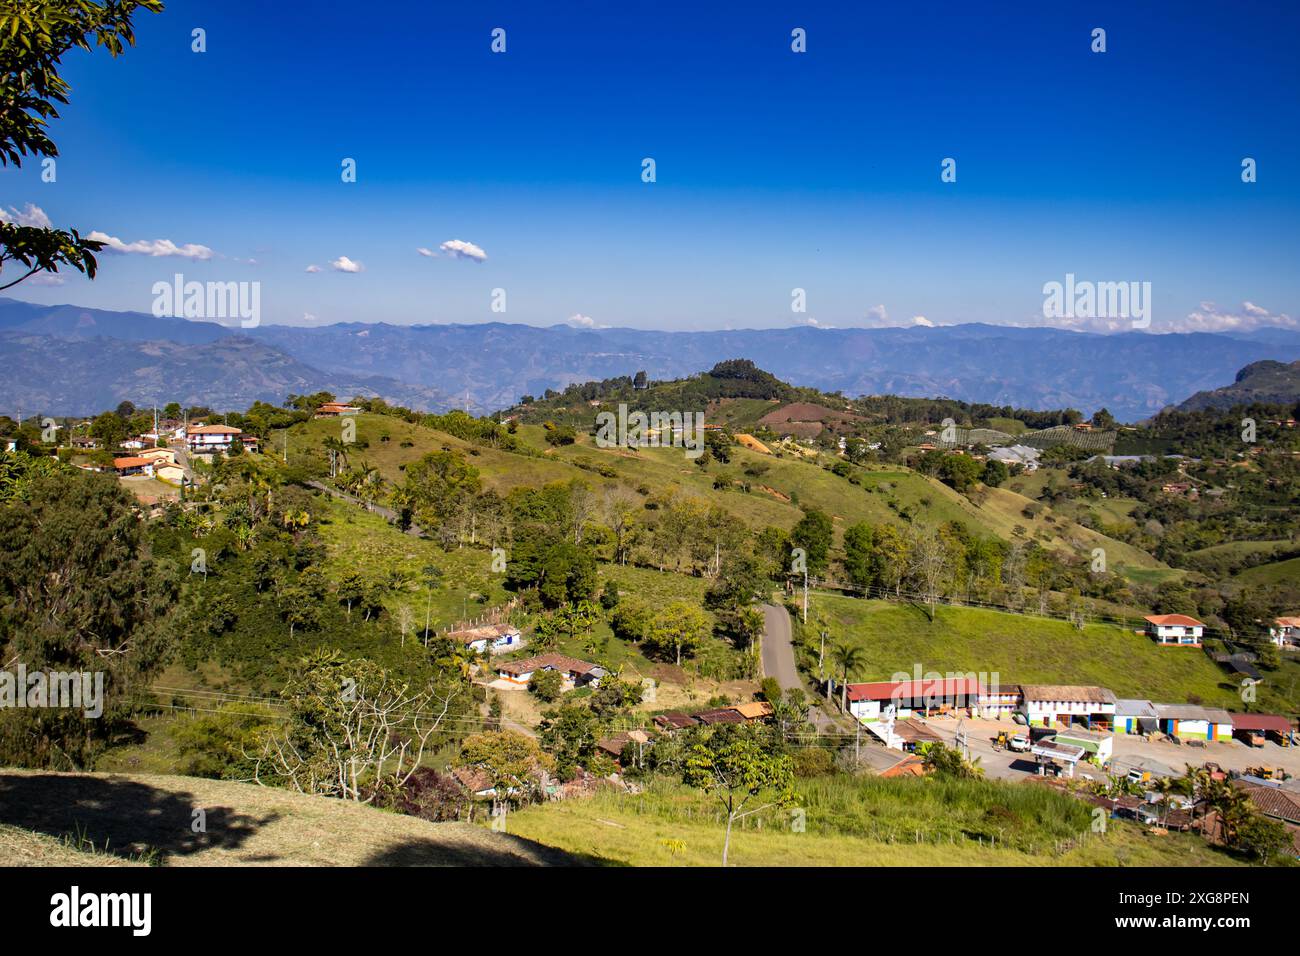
point(1096, 746)
point(499, 637)
point(1175, 630)
point(1285, 632)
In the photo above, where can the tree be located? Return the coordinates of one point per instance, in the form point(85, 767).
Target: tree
point(948, 761)
point(814, 533)
point(734, 764)
point(678, 628)
point(514, 763)
point(995, 473)
point(928, 567)
point(79, 592)
point(34, 36)
point(351, 588)
point(960, 472)
point(848, 657)
point(546, 685)
point(354, 730)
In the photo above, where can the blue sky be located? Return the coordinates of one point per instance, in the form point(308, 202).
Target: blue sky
point(775, 170)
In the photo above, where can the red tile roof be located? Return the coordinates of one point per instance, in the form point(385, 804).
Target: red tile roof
point(1274, 722)
point(1173, 620)
point(131, 462)
point(913, 689)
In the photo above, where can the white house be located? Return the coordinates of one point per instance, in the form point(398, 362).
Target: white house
point(1175, 630)
point(210, 439)
point(500, 637)
point(1135, 717)
point(1059, 705)
point(1285, 632)
point(572, 669)
point(1097, 746)
point(1189, 722)
point(133, 466)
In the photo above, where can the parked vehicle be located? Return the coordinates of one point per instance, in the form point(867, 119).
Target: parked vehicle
point(1019, 743)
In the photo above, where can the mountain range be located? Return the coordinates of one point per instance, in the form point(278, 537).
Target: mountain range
point(67, 359)
point(1269, 382)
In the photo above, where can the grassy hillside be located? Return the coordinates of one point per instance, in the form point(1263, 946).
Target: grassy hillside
point(1023, 649)
point(1276, 572)
point(778, 485)
point(55, 818)
point(863, 822)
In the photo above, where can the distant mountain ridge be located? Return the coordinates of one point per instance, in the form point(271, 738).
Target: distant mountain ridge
point(491, 365)
point(1269, 382)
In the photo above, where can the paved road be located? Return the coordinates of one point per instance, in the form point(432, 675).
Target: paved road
point(778, 652)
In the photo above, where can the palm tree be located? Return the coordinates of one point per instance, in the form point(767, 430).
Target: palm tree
point(849, 657)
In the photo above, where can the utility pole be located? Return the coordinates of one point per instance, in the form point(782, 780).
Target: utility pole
point(805, 595)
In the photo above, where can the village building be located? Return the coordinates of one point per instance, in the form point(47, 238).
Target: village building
point(1175, 630)
point(1135, 717)
point(126, 467)
point(499, 637)
point(1054, 757)
point(169, 472)
point(908, 697)
point(210, 439)
point(571, 669)
point(335, 409)
point(1097, 747)
point(1255, 729)
point(1285, 632)
point(674, 720)
point(1191, 722)
point(1060, 705)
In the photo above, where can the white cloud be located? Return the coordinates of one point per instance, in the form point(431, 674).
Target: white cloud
point(154, 247)
point(580, 321)
point(31, 215)
point(1210, 318)
point(344, 264)
point(427, 252)
point(815, 324)
point(923, 321)
point(45, 278)
point(459, 249)
point(308, 317)
point(312, 268)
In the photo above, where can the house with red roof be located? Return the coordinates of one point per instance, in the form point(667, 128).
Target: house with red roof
point(941, 695)
point(133, 466)
point(1285, 632)
point(1175, 630)
point(209, 439)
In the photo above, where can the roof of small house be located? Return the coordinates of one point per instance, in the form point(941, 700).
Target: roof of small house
point(1134, 708)
point(614, 743)
point(914, 732)
point(1273, 801)
point(754, 710)
point(1287, 622)
point(1192, 712)
point(675, 720)
point(1274, 722)
point(214, 430)
point(484, 632)
point(570, 665)
point(1078, 733)
point(473, 779)
point(1067, 693)
point(915, 689)
point(131, 462)
point(1173, 620)
point(722, 715)
point(1050, 748)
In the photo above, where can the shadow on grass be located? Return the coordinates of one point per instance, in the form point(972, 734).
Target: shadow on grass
point(121, 817)
point(485, 848)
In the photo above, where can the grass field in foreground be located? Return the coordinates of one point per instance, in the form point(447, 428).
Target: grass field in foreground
point(858, 822)
point(1024, 649)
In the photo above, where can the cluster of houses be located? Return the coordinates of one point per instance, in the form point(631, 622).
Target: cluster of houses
point(1179, 630)
point(496, 638)
point(1084, 717)
point(576, 672)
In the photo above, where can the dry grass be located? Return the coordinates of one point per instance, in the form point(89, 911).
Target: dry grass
point(49, 819)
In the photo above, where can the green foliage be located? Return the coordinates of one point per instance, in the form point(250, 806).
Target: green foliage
point(546, 685)
point(224, 745)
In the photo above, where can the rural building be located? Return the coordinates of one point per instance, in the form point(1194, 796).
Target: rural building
point(499, 637)
point(1022, 455)
point(615, 744)
point(1175, 630)
point(908, 697)
point(334, 409)
point(674, 720)
point(1097, 746)
point(168, 471)
point(1190, 722)
point(572, 669)
point(1254, 729)
point(1061, 705)
point(1285, 632)
point(159, 454)
point(1000, 700)
point(133, 466)
point(721, 715)
point(1052, 755)
point(1135, 717)
point(209, 439)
